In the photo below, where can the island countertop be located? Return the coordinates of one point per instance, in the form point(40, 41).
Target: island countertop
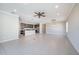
point(29, 31)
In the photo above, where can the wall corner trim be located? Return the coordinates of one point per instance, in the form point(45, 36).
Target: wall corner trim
point(5, 12)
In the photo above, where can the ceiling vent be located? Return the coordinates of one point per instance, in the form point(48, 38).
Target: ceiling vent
point(53, 20)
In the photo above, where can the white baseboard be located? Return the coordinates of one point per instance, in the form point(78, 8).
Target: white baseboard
point(73, 44)
point(8, 40)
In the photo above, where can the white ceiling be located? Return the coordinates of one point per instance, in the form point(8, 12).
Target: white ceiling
point(25, 11)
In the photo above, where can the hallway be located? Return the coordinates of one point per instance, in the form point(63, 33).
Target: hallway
point(39, 44)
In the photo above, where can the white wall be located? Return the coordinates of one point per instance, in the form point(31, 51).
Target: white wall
point(56, 28)
point(73, 28)
point(9, 26)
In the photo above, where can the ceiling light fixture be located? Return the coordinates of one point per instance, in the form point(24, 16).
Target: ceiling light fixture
point(14, 11)
point(56, 6)
point(39, 14)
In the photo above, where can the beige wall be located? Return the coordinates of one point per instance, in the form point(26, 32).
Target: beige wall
point(55, 28)
point(44, 28)
point(9, 26)
point(73, 27)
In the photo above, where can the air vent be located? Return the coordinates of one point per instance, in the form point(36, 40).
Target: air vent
point(53, 20)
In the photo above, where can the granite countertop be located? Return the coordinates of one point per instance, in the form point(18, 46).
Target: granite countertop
point(29, 29)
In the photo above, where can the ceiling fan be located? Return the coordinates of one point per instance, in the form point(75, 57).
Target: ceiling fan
point(39, 14)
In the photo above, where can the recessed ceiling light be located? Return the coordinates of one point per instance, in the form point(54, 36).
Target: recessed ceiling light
point(14, 11)
point(56, 6)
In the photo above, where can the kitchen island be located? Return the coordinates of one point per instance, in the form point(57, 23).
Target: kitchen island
point(29, 31)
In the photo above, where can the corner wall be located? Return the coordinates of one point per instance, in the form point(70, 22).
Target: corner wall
point(73, 27)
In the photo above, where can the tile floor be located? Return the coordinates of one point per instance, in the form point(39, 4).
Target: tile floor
point(39, 44)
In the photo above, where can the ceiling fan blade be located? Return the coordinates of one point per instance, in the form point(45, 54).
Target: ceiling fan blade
point(43, 13)
point(35, 15)
point(35, 12)
point(39, 16)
